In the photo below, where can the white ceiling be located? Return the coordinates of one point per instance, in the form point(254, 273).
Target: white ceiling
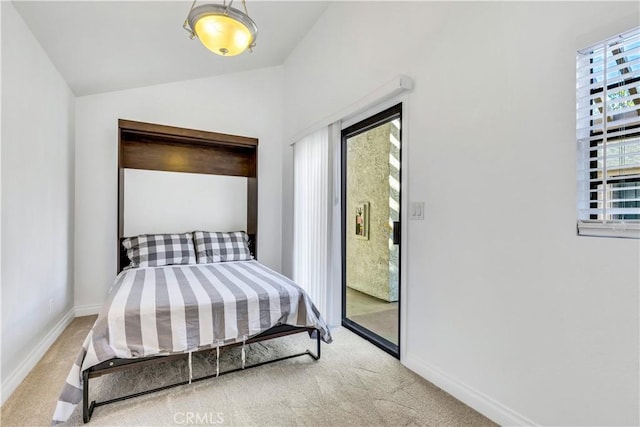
point(101, 46)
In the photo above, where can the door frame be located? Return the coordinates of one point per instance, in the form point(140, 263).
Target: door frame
point(355, 129)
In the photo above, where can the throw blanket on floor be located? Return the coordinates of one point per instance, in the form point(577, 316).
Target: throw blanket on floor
point(177, 309)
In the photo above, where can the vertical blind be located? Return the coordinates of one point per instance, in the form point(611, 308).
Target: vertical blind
point(608, 134)
point(311, 215)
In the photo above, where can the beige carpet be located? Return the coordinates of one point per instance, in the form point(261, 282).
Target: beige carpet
point(353, 384)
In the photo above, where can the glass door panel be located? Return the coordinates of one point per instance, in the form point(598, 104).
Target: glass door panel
point(371, 228)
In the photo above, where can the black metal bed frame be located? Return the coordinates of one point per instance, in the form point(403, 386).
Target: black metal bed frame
point(118, 364)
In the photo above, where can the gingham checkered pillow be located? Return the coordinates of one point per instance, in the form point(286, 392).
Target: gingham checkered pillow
point(222, 246)
point(154, 250)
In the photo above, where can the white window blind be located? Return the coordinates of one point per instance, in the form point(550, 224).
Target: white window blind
point(311, 216)
point(608, 134)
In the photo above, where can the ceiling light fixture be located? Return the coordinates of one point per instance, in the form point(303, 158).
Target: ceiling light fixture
point(221, 28)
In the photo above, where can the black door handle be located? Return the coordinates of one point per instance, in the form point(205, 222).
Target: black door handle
point(396, 232)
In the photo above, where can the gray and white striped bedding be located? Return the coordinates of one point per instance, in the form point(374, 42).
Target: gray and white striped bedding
point(177, 309)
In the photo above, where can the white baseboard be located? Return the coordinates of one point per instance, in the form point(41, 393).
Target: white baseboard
point(87, 310)
point(31, 359)
point(477, 400)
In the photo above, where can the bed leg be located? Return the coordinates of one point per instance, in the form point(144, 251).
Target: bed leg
point(316, 356)
point(87, 410)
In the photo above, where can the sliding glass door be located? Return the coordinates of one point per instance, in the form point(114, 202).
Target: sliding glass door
point(371, 228)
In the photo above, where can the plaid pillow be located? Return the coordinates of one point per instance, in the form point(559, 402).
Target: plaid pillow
point(222, 246)
point(154, 250)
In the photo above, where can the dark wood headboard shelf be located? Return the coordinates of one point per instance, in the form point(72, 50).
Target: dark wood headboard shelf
point(166, 148)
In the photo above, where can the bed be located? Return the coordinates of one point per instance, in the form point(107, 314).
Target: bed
point(187, 304)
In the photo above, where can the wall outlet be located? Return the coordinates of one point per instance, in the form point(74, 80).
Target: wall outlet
point(51, 306)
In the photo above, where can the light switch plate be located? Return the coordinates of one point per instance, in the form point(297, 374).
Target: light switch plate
point(416, 210)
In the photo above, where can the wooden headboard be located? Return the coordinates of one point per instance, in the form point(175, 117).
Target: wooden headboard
point(167, 148)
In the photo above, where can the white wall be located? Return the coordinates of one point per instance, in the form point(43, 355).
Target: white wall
point(37, 200)
point(506, 307)
point(176, 202)
point(248, 104)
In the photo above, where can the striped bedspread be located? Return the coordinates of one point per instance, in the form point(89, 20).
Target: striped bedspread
point(176, 309)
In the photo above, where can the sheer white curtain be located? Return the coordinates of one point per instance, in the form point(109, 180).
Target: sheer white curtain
point(312, 189)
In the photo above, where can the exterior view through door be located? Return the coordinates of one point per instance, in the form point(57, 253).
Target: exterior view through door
point(371, 228)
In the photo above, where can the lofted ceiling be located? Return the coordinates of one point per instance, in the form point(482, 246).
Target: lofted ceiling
point(101, 46)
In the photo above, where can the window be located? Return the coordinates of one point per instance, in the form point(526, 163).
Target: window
point(608, 134)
